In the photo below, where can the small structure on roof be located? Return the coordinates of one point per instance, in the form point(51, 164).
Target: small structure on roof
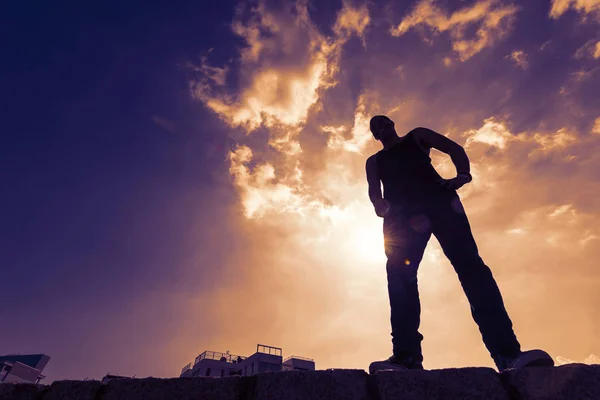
point(267, 358)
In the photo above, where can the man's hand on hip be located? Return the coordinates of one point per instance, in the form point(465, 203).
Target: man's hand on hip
point(382, 207)
point(455, 183)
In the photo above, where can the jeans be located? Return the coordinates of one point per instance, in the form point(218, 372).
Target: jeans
point(406, 233)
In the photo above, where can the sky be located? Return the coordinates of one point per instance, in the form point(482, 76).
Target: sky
point(178, 177)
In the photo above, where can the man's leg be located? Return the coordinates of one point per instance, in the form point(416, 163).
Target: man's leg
point(451, 227)
point(405, 242)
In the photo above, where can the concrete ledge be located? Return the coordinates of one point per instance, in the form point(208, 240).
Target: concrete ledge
point(313, 385)
point(573, 381)
point(463, 384)
point(73, 390)
point(568, 382)
point(22, 391)
point(177, 388)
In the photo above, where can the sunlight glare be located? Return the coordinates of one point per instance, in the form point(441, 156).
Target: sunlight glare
point(367, 243)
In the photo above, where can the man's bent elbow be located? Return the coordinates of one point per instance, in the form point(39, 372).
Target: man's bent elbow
point(374, 196)
point(458, 151)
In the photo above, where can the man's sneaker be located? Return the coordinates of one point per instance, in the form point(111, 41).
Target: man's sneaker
point(530, 358)
point(395, 363)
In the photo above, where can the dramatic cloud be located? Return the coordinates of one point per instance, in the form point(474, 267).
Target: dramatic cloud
point(360, 132)
point(559, 7)
point(274, 94)
point(297, 62)
point(491, 133)
point(352, 21)
point(492, 19)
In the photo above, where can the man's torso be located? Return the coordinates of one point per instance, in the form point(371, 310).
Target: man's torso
point(409, 179)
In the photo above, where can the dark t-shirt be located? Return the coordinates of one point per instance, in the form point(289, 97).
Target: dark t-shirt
point(409, 179)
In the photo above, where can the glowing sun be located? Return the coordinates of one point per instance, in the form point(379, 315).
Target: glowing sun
point(367, 242)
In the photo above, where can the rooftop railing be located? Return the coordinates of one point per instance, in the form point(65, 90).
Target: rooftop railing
point(218, 356)
point(298, 358)
point(186, 368)
point(274, 351)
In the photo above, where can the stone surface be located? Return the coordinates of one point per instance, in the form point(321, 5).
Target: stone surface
point(73, 390)
point(568, 382)
point(313, 385)
point(21, 391)
point(173, 389)
point(575, 381)
point(450, 384)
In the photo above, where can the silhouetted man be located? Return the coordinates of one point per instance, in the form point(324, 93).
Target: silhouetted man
point(417, 203)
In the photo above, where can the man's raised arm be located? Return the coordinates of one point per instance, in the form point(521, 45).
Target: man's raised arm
point(442, 143)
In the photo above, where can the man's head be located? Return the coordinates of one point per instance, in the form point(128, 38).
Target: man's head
point(382, 127)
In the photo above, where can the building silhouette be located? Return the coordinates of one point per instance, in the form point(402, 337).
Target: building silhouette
point(22, 368)
point(267, 358)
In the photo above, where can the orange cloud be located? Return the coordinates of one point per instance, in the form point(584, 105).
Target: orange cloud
point(352, 20)
point(274, 94)
point(284, 92)
point(494, 21)
point(280, 98)
point(360, 132)
point(591, 49)
point(520, 58)
point(559, 7)
point(263, 191)
point(492, 133)
point(596, 127)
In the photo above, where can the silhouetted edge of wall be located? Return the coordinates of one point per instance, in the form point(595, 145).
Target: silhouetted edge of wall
point(574, 381)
